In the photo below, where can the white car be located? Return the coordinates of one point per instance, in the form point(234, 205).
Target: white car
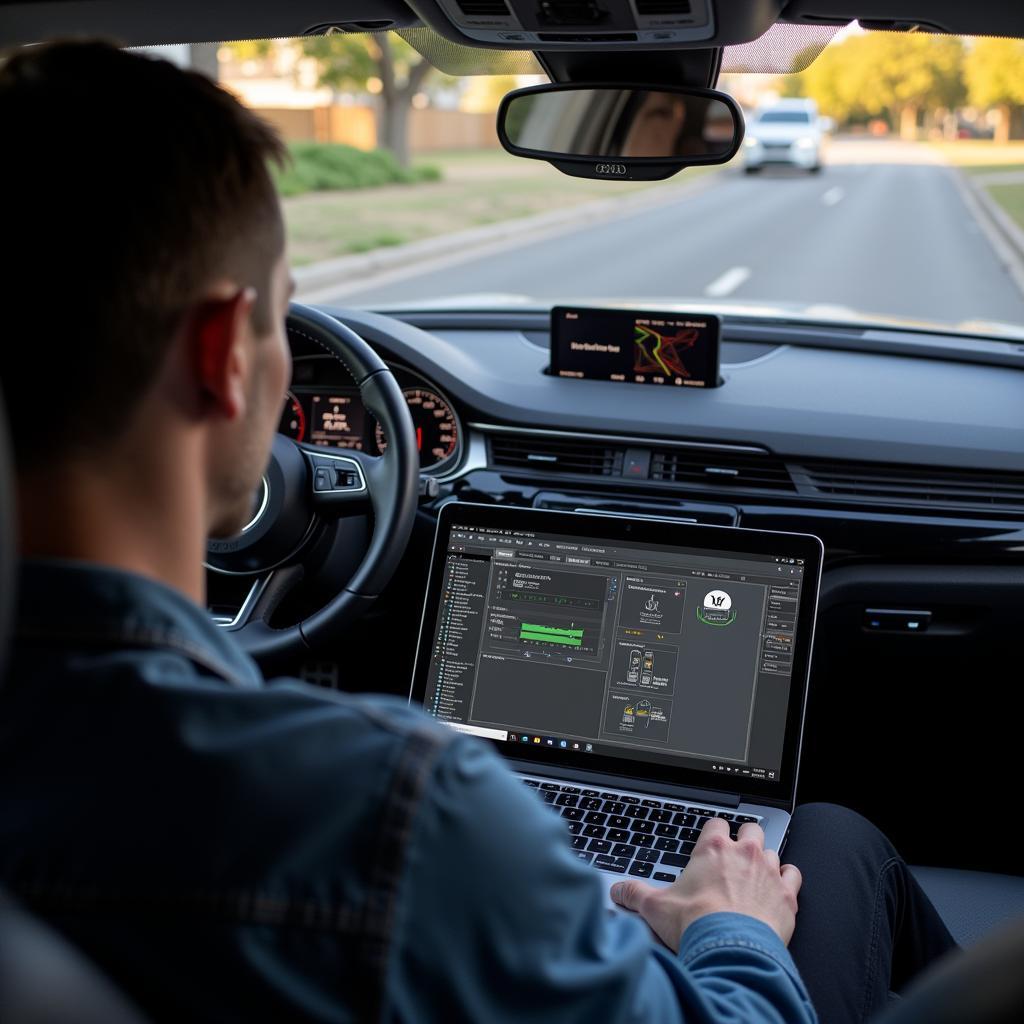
point(788, 132)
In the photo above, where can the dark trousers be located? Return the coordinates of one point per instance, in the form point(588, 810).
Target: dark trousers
point(864, 925)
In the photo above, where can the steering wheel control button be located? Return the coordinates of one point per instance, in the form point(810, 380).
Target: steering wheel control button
point(336, 474)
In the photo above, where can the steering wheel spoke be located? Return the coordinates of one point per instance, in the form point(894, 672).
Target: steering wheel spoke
point(268, 590)
point(339, 482)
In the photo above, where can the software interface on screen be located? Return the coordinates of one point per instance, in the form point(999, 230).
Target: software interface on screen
point(672, 349)
point(654, 653)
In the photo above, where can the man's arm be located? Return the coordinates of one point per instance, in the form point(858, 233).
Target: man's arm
point(500, 922)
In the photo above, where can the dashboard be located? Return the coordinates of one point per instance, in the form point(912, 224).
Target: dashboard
point(322, 407)
point(812, 415)
point(894, 443)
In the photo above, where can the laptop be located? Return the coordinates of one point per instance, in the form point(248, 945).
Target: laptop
point(639, 675)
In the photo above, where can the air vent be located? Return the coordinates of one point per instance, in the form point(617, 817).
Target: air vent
point(570, 12)
point(661, 8)
point(720, 470)
point(483, 8)
point(912, 485)
point(588, 458)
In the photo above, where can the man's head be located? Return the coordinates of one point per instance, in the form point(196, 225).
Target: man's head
point(145, 283)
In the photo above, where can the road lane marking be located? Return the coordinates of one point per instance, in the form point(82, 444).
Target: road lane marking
point(833, 195)
point(727, 283)
point(379, 269)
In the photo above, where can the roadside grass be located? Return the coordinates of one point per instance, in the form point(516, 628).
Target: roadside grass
point(981, 159)
point(1011, 199)
point(318, 167)
point(476, 188)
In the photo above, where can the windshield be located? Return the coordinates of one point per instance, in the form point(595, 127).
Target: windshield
point(901, 201)
point(784, 117)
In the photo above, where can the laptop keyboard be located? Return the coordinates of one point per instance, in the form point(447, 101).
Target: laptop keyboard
point(628, 835)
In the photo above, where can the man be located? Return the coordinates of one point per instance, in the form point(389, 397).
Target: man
point(227, 848)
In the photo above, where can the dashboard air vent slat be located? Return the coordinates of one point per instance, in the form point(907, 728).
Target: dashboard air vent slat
point(915, 485)
point(737, 471)
point(483, 8)
point(555, 455)
point(655, 8)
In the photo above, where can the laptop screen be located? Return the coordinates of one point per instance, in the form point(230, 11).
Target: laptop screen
point(588, 639)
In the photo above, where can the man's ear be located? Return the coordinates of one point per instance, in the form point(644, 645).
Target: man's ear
point(219, 329)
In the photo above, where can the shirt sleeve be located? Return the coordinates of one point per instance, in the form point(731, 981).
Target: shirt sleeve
point(498, 921)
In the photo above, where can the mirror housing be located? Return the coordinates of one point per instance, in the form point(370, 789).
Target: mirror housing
point(625, 132)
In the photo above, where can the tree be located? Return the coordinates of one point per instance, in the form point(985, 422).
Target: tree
point(349, 61)
point(842, 80)
point(251, 49)
point(994, 72)
point(919, 71)
point(890, 73)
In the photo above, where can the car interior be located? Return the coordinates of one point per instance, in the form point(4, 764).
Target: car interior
point(900, 446)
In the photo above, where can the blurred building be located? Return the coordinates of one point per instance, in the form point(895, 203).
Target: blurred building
point(281, 86)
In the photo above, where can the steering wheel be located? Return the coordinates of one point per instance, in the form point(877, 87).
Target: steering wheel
point(305, 489)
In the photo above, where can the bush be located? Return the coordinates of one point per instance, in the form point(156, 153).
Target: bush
point(325, 166)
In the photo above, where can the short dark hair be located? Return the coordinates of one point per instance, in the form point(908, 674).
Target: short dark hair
point(126, 185)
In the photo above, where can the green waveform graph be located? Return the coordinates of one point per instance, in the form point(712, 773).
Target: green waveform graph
point(566, 636)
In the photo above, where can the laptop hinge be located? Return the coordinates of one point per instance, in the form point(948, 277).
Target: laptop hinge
point(610, 781)
point(769, 801)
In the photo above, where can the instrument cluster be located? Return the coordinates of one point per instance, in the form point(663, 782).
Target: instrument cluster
point(322, 409)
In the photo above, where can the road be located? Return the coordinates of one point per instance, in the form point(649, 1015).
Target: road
point(883, 229)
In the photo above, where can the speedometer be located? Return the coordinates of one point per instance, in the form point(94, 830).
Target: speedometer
point(293, 418)
point(437, 430)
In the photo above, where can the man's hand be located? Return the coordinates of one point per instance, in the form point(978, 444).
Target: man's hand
point(739, 876)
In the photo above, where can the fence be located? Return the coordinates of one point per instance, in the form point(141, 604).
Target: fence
point(429, 130)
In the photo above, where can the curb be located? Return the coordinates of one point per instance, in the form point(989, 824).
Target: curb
point(1002, 232)
point(343, 270)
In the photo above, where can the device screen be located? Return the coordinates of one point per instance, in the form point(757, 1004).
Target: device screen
point(669, 349)
point(637, 650)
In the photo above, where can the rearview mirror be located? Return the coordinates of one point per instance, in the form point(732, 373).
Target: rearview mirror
point(620, 131)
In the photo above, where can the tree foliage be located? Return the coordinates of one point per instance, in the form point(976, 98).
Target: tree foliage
point(343, 61)
point(994, 72)
point(251, 49)
point(886, 74)
point(349, 61)
point(994, 75)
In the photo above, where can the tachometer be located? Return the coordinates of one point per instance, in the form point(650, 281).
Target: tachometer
point(437, 430)
point(293, 418)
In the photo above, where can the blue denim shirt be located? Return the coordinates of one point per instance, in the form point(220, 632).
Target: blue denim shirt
point(228, 848)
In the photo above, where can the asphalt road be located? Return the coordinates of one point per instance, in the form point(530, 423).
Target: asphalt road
point(883, 229)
